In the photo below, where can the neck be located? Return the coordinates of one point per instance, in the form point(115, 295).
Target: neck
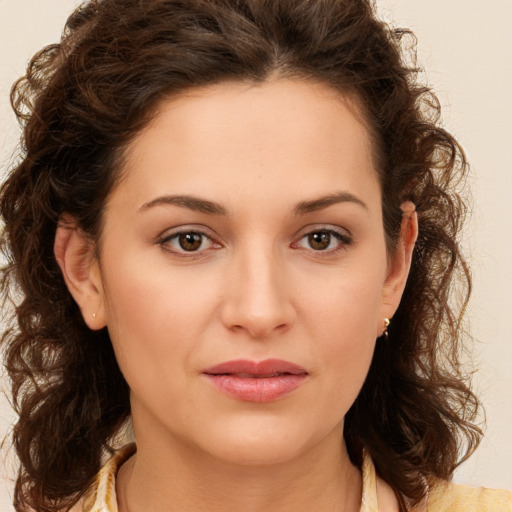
point(170, 476)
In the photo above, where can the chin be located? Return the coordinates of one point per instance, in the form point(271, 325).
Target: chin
point(259, 444)
point(254, 453)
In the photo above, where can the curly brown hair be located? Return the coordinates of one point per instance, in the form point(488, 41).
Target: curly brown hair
point(82, 101)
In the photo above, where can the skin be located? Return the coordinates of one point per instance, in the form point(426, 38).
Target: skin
point(255, 289)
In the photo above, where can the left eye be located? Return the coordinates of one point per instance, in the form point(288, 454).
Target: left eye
point(188, 241)
point(323, 240)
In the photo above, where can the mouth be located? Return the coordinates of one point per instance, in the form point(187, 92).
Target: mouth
point(256, 381)
point(256, 369)
point(254, 375)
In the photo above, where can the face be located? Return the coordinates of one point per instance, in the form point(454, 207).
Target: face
point(243, 273)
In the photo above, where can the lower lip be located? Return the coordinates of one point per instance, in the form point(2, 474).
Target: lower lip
point(252, 389)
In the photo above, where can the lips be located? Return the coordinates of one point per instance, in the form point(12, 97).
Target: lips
point(256, 381)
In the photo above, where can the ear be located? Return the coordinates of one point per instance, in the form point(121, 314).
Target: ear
point(74, 253)
point(400, 263)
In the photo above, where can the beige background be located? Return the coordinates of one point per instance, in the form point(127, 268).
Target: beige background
point(465, 46)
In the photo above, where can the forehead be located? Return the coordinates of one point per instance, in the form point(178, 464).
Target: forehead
point(294, 136)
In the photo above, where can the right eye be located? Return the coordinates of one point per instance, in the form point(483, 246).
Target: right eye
point(189, 241)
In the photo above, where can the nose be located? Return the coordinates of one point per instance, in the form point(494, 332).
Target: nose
point(257, 297)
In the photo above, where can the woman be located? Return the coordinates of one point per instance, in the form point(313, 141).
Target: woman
point(221, 206)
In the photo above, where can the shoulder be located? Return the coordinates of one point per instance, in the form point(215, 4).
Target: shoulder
point(450, 497)
point(101, 494)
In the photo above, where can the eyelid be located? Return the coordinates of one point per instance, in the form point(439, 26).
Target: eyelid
point(343, 235)
point(313, 228)
point(169, 234)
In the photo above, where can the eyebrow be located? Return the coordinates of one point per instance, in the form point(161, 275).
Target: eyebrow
point(211, 208)
point(314, 205)
point(190, 202)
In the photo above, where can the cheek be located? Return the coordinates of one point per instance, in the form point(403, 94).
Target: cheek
point(342, 320)
point(343, 305)
point(148, 294)
point(156, 318)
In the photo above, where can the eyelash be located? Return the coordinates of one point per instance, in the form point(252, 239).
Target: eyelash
point(344, 239)
point(164, 242)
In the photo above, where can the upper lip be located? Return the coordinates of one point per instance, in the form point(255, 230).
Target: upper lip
point(266, 368)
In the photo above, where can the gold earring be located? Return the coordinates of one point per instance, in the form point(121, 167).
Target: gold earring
point(387, 321)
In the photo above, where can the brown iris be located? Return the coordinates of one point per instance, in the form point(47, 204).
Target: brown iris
point(190, 241)
point(319, 240)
